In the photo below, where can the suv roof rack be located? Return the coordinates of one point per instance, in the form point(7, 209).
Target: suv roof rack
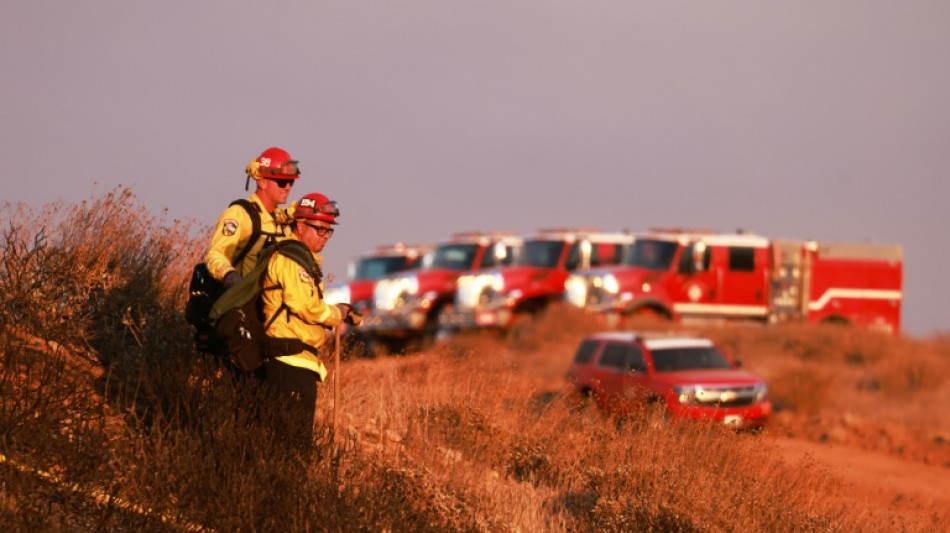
point(637, 336)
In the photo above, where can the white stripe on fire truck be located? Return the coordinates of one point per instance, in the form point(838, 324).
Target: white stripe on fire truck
point(713, 309)
point(857, 294)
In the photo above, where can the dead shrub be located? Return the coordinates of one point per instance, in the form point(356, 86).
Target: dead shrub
point(800, 390)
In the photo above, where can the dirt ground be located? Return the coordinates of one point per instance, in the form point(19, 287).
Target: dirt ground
point(871, 476)
point(905, 474)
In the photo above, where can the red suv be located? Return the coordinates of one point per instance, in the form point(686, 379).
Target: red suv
point(690, 376)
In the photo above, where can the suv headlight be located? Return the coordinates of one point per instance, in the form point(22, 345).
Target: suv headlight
point(761, 392)
point(686, 393)
point(337, 295)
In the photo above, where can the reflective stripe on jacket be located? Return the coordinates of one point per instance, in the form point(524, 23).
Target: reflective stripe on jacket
point(301, 312)
point(232, 233)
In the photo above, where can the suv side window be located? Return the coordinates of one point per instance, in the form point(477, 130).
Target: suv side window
point(635, 360)
point(585, 352)
point(614, 356)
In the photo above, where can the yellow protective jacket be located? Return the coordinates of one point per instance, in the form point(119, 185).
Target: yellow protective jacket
point(232, 234)
point(301, 312)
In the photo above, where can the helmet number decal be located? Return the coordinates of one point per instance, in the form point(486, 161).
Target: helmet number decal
point(265, 162)
point(229, 227)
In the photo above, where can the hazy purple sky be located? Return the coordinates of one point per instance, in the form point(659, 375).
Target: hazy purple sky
point(803, 120)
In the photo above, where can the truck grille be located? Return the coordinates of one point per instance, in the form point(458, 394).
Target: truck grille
point(595, 295)
point(727, 397)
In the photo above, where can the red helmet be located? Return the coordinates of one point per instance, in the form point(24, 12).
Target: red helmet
point(316, 206)
point(275, 163)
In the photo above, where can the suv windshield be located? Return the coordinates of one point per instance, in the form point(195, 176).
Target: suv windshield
point(697, 358)
point(651, 255)
point(377, 267)
point(453, 256)
point(545, 254)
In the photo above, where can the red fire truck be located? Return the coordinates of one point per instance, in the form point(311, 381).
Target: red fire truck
point(405, 308)
point(687, 275)
point(503, 296)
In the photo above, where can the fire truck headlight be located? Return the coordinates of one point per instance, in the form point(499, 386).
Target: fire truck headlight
point(497, 282)
point(390, 293)
point(610, 284)
point(575, 290)
point(337, 295)
point(466, 280)
point(412, 285)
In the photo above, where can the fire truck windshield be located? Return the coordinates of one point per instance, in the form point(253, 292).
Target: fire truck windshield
point(650, 254)
point(545, 254)
point(452, 256)
point(377, 267)
point(693, 358)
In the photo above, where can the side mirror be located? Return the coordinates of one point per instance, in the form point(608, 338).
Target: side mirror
point(500, 251)
point(699, 254)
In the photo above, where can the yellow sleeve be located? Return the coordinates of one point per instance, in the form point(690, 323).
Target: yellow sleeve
point(231, 234)
point(301, 296)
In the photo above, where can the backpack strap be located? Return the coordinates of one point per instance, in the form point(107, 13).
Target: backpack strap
point(245, 290)
point(253, 211)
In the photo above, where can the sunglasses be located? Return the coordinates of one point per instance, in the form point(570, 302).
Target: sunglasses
point(282, 183)
point(321, 231)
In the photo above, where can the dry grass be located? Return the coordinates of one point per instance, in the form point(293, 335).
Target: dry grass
point(474, 435)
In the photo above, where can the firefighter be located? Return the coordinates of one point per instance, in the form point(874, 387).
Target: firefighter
point(247, 225)
point(295, 309)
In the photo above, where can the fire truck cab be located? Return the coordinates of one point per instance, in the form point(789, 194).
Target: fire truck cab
point(702, 275)
point(405, 307)
point(496, 298)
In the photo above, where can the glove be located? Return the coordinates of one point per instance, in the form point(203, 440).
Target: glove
point(344, 310)
point(230, 279)
point(349, 315)
point(354, 318)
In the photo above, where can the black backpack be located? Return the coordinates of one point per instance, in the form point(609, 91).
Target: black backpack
point(204, 290)
point(238, 316)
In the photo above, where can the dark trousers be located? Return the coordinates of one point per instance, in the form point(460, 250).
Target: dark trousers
point(292, 391)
